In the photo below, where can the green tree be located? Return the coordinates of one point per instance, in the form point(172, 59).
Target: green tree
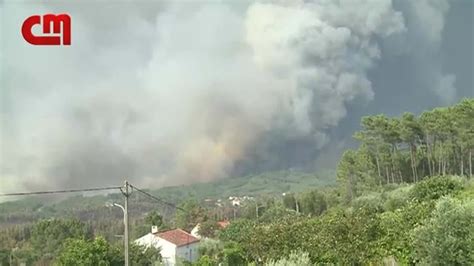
point(379, 136)
point(347, 237)
point(192, 215)
point(276, 213)
point(144, 256)
point(47, 236)
point(289, 201)
point(313, 203)
point(371, 138)
point(154, 218)
point(238, 231)
point(233, 254)
point(355, 173)
point(87, 252)
point(438, 142)
point(396, 230)
point(398, 238)
point(448, 237)
point(411, 133)
point(435, 187)
point(212, 249)
point(396, 198)
point(464, 128)
point(141, 228)
point(208, 228)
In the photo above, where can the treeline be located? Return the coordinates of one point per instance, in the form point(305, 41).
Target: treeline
point(405, 196)
point(427, 223)
point(69, 241)
point(408, 148)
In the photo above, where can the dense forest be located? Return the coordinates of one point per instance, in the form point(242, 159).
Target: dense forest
point(405, 196)
point(408, 148)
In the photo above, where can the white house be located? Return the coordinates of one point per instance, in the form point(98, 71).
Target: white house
point(195, 231)
point(174, 244)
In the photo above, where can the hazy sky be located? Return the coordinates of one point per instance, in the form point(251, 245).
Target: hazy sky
point(173, 92)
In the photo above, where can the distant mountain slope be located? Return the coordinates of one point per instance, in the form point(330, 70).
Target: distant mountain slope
point(251, 185)
point(91, 207)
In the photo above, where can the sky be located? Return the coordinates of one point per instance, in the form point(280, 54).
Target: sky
point(164, 93)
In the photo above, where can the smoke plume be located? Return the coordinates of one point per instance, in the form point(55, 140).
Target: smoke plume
point(179, 92)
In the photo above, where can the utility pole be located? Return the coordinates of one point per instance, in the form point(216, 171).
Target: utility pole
point(126, 193)
point(257, 210)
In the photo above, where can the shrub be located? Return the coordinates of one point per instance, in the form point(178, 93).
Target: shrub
point(205, 261)
point(211, 248)
point(397, 239)
point(397, 198)
point(372, 201)
point(295, 259)
point(234, 254)
point(436, 187)
point(448, 237)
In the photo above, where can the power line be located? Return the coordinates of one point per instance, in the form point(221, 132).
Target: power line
point(57, 191)
point(157, 199)
point(88, 190)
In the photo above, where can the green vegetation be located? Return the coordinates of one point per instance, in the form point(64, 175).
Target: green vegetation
point(251, 185)
point(70, 242)
point(295, 258)
point(86, 207)
point(87, 217)
point(447, 238)
point(406, 149)
point(365, 231)
point(99, 252)
point(88, 252)
point(405, 196)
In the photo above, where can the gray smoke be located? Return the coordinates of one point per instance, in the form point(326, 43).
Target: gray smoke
point(167, 93)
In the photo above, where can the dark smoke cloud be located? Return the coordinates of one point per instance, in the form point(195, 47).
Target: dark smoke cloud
point(172, 92)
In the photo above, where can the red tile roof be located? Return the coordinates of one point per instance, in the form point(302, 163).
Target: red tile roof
point(223, 224)
point(178, 237)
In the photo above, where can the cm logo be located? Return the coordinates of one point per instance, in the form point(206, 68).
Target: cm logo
point(49, 38)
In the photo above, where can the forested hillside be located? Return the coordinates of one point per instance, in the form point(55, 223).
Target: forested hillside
point(29, 209)
point(406, 149)
point(404, 196)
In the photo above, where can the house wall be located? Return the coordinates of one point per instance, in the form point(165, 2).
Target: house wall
point(195, 231)
point(188, 252)
point(168, 250)
point(145, 240)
